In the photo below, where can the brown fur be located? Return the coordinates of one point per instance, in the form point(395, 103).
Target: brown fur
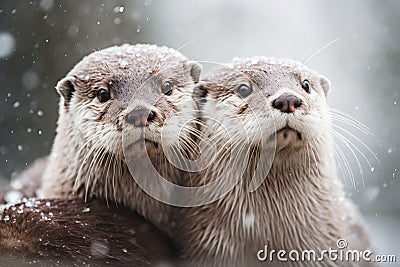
point(301, 204)
point(87, 156)
point(56, 232)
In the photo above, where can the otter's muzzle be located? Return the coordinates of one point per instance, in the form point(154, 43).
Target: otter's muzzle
point(139, 117)
point(287, 103)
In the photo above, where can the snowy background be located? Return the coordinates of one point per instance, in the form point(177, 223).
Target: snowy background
point(355, 43)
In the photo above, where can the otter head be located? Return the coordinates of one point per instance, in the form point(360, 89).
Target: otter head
point(270, 101)
point(132, 88)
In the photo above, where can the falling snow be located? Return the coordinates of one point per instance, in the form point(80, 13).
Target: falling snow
point(117, 21)
point(16, 104)
point(46, 5)
point(372, 169)
point(119, 9)
point(7, 44)
point(30, 80)
point(40, 71)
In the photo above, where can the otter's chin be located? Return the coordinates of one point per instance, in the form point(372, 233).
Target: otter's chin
point(287, 137)
point(288, 133)
point(141, 144)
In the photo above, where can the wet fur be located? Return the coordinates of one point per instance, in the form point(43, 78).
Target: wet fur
point(56, 232)
point(301, 204)
point(87, 157)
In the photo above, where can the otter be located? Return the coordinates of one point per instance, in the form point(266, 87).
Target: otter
point(87, 159)
point(280, 106)
point(122, 89)
point(60, 232)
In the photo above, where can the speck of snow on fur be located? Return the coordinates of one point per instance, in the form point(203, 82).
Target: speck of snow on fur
point(248, 220)
point(13, 196)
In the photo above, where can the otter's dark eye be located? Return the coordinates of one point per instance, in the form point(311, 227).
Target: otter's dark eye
point(103, 95)
point(306, 86)
point(244, 90)
point(166, 88)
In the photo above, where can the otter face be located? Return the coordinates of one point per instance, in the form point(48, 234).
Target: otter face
point(128, 88)
point(270, 100)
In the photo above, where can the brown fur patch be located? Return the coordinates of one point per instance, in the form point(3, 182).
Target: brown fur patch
point(71, 232)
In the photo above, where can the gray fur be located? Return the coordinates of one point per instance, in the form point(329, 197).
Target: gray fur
point(301, 204)
point(87, 156)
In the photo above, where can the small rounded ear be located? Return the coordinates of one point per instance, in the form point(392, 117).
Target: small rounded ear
point(65, 87)
point(325, 84)
point(195, 70)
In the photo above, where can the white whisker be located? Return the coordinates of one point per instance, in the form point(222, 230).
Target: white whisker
point(320, 50)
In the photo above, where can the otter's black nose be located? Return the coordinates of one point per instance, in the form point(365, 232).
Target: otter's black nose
point(287, 103)
point(139, 117)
